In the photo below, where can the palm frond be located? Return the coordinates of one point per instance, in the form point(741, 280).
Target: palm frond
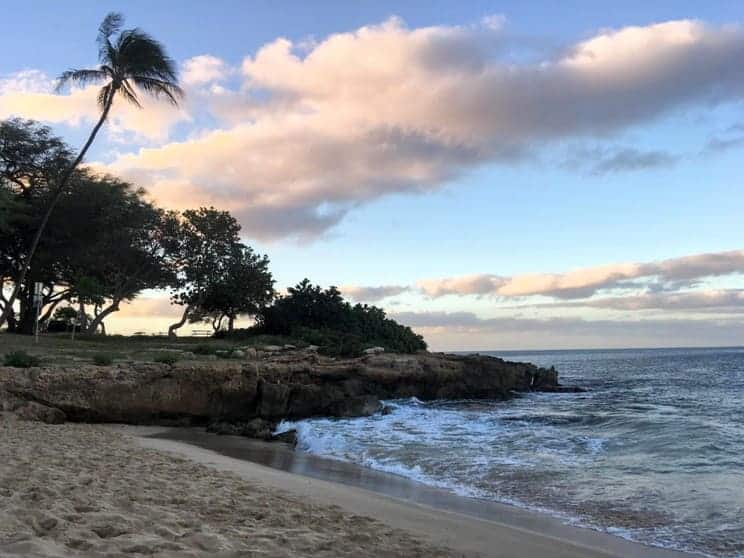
point(82, 77)
point(159, 88)
point(141, 54)
point(104, 94)
point(129, 94)
point(110, 25)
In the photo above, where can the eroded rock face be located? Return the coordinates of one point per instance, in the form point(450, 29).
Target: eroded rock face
point(289, 384)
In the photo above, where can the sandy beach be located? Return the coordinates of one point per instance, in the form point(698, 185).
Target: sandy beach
point(89, 490)
point(83, 490)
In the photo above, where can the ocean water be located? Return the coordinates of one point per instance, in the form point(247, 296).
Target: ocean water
point(654, 451)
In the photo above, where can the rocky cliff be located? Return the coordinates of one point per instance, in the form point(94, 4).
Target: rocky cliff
point(269, 387)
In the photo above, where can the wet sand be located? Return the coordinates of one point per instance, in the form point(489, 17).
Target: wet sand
point(467, 527)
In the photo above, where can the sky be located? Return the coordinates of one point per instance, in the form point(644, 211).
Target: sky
point(511, 175)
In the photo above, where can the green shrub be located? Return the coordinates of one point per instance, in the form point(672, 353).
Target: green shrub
point(21, 359)
point(322, 317)
point(166, 358)
point(103, 359)
point(204, 349)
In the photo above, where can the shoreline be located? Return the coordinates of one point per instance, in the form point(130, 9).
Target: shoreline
point(466, 525)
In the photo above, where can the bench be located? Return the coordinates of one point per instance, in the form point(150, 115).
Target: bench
point(201, 333)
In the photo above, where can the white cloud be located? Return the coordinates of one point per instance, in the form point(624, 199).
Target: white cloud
point(466, 331)
point(372, 294)
point(203, 69)
point(29, 94)
point(585, 282)
point(318, 130)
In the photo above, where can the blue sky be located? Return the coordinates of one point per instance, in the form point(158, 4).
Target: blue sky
point(638, 175)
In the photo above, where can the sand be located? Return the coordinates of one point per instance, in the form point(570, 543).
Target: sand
point(87, 490)
point(84, 490)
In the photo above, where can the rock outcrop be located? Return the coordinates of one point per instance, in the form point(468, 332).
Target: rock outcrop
point(290, 384)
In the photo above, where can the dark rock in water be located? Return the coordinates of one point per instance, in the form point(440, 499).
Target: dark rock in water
point(361, 406)
point(225, 428)
point(387, 410)
point(259, 428)
point(256, 428)
point(249, 398)
point(288, 437)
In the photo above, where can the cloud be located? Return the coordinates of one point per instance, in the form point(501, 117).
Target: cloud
point(720, 301)
point(721, 144)
point(372, 294)
point(203, 69)
point(28, 94)
point(144, 307)
point(601, 161)
point(467, 331)
point(316, 131)
point(586, 282)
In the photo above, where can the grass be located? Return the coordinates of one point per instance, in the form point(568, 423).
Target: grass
point(59, 349)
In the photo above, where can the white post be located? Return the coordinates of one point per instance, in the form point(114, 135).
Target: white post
point(38, 296)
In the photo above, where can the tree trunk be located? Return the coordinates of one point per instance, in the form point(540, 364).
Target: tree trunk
point(98, 320)
point(82, 317)
point(173, 327)
point(27, 314)
point(55, 200)
point(49, 311)
point(230, 323)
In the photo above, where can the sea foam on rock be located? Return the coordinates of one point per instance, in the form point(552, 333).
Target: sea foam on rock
point(291, 384)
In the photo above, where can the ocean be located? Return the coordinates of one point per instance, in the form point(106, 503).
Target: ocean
point(653, 451)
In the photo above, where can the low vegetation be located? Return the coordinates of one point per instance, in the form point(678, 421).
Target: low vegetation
point(167, 358)
point(21, 359)
point(103, 359)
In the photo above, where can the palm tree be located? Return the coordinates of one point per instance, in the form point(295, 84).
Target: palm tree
point(130, 62)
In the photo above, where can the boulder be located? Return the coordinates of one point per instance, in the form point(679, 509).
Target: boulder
point(288, 437)
point(360, 406)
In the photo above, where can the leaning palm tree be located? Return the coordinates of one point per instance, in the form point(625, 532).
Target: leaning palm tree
point(130, 62)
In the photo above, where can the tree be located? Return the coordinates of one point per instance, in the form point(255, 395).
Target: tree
point(130, 61)
point(120, 249)
point(324, 318)
point(103, 243)
point(31, 158)
point(218, 277)
point(243, 285)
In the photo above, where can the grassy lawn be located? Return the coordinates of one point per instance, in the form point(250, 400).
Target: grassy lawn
point(59, 349)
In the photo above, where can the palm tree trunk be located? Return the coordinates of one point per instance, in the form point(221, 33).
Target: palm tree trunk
point(47, 214)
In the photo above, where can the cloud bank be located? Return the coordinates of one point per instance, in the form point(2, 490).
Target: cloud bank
point(586, 282)
point(316, 130)
point(29, 94)
point(372, 294)
point(466, 331)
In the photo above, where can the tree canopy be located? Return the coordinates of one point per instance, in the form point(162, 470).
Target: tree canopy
point(322, 316)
